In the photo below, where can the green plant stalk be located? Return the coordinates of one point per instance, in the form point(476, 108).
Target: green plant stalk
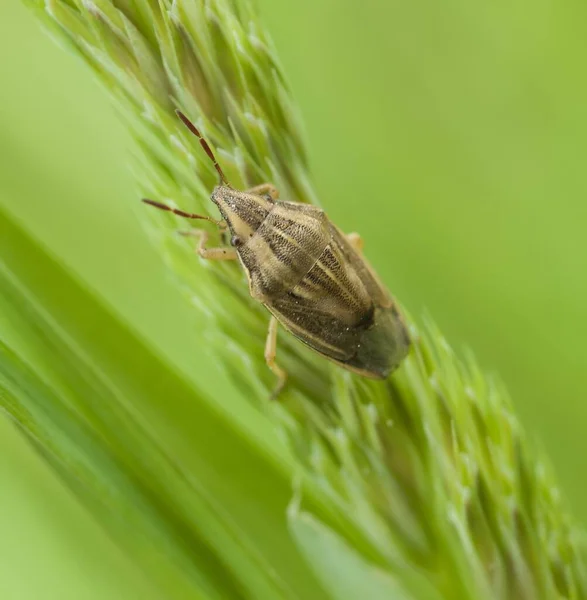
point(93, 412)
point(423, 485)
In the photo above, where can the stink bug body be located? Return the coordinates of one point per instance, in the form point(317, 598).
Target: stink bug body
point(309, 275)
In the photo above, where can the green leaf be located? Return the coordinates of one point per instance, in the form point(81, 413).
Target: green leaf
point(344, 572)
point(110, 416)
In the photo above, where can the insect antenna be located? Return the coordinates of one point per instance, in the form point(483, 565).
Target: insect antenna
point(181, 213)
point(204, 145)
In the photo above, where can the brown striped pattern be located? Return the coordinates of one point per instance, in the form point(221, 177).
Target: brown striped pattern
point(336, 285)
point(243, 212)
point(329, 309)
point(309, 276)
point(283, 249)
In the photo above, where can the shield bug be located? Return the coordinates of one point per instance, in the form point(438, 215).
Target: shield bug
point(311, 277)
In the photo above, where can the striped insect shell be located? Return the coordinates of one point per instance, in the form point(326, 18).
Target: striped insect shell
point(314, 280)
point(308, 274)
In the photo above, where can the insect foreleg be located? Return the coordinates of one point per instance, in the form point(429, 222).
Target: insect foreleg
point(265, 189)
point(209, 253)
point(270, 351)
point(355, 240)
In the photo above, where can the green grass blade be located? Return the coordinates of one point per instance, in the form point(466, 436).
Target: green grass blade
point(102, 407)
point(347, 574)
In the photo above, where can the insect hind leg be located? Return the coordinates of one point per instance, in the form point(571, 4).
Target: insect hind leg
point(355, 240)
point(270, 352)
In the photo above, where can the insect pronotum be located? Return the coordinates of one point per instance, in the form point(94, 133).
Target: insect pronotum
point(311, 277)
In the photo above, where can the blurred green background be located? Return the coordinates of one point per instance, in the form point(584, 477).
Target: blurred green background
point(452, 135)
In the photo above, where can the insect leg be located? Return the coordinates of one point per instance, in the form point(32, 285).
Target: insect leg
point(355, 240)
point(270, 350)
point(265, 189)
point(209, 253)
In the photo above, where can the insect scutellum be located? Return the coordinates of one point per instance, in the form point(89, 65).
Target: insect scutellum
point(310, 276)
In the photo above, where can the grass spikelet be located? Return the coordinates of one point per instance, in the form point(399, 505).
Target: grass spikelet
point(422, 486)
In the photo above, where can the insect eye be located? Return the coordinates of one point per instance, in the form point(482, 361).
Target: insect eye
point(235, 240)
